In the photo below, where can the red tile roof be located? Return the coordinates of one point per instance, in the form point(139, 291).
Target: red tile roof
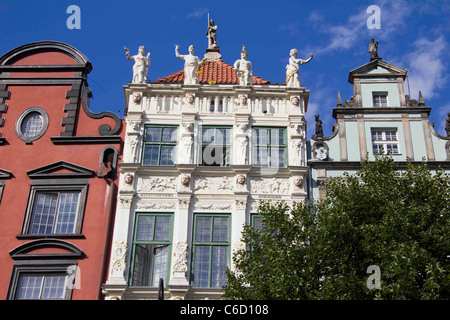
point(218, 71)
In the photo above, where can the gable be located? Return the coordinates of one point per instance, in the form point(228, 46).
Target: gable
point(61, 169)
point(44, 53)
point(377, 68)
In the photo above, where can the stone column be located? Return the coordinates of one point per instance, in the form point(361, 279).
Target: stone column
point(238, 219)
point(179, 277)
point(116, 283)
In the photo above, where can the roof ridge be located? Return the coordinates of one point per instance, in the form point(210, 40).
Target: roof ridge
point(211, 70)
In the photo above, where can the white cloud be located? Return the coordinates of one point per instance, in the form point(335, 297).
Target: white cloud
point(393, 14)
point(426, 68)
point(198, 13)
point(291, 28)
point(442, 117)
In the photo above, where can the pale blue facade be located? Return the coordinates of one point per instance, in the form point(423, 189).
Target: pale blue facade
point(379, 118)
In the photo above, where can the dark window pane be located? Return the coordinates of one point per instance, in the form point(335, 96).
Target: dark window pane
point(162, 228)
point(153, 134)
point(167, 155)
point(169, 135)
point(201, 266)
point(203, 229)
point(145, 228)
point(219, 266)
point(220, 229)
point(151, 155)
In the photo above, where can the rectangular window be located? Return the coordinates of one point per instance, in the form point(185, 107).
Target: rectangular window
point(256, 221)
point(41, 286)
point(216, 146)
point(55, 210)
point(210, 250)
point(269, 147)
point(151, 249)
point(385, 141)
point(159, 145)
point(379, 99)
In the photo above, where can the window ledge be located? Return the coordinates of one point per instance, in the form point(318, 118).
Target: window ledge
point(52, 236)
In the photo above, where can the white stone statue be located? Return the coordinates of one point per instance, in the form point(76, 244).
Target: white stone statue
point(292, 69)
point(141, 64)
point(243, 68)
point(190, 65)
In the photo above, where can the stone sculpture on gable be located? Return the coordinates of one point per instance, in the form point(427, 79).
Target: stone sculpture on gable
point(190, 65)
point(292, 69)
point(243, 68)
point(141, 64)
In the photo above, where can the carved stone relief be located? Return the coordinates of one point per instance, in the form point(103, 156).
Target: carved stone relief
point(212, 205)
point(156, 184)
point(180, 257)
point(120, 249)
point(269, 185)
point(150, 204)
point(213, 184)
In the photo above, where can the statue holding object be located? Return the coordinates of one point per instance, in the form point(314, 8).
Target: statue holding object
point(292, 69)
point(191, 64)
point(141, 64)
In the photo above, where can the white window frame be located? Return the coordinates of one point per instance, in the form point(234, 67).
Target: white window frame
point(384, 142)
point(57, 189)
point(379, 94)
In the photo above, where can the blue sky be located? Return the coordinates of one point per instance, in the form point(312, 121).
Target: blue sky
point(414, 35)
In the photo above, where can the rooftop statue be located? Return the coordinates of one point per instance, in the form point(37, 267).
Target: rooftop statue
point(243, 68)
point(292, 69)
point(141, 64)
point(211, 35)
point(447, 124)
point(319, 128)
point(373, 50)
point(190, 65)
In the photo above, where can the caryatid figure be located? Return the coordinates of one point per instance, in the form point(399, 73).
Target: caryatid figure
point(292, 69)
point(141, 64)
point(191, 63)
point(243, 68)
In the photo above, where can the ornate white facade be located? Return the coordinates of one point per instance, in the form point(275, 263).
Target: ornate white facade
point(188, 189)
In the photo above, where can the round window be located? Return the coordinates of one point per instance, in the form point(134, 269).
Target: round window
point(32, 124)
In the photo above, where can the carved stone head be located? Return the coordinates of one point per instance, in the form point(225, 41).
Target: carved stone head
point(190, 98)
point(137, 98)
point(244, 54)
point(128, 179)
point(242, 101)
point(295, 101)
point(240, 180)
point(185, 180)
point(298, 181)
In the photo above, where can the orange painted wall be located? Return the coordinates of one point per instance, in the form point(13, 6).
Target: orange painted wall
point(18, 157)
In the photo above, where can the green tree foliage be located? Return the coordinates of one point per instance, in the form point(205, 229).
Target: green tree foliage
point(398, 220)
